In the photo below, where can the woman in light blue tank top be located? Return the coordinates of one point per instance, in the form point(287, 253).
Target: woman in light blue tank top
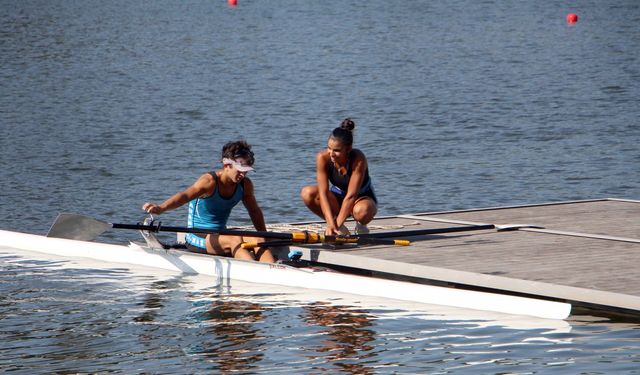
point(211, 199)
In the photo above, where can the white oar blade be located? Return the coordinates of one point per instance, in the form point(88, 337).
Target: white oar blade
point(77, 227)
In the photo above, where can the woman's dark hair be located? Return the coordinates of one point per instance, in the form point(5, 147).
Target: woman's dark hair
point(238, 149)
point(344, 132)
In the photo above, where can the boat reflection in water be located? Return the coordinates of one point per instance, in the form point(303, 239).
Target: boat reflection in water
point(334, 331)
point(132, 317)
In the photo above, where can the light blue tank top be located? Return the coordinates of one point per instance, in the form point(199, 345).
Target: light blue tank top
point(211, 212)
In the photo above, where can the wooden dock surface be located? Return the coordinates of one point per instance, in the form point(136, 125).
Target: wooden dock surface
point(587, 253)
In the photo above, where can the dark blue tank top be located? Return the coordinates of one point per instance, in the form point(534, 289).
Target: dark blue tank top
point(342, 181)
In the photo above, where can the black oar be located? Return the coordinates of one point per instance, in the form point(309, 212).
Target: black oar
point(424, 232)
point(464, 228)
point(80, 227)
point(84, 228)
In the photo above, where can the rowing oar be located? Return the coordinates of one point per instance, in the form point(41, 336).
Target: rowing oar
point(380, 238)
point(84, 228)
point(321, 238)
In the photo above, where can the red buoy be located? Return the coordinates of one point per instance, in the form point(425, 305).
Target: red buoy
point(572, 18)
point(232, 2)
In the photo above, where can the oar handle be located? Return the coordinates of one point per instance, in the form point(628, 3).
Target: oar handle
point(402, 242)
point(319, 238)
point(375, 241)
point(253, 245)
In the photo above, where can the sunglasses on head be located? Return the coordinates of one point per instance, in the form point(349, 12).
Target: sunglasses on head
point(245, 154)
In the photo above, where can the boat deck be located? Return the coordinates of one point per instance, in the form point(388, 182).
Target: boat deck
point(587, 252)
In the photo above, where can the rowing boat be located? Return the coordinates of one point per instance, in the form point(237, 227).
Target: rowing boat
point(306, 276)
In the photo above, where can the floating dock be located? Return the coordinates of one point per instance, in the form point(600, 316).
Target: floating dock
point(583, 252)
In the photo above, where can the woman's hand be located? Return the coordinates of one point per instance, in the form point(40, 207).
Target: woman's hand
point(152, 208)
point(329, 231)
point(333, 231)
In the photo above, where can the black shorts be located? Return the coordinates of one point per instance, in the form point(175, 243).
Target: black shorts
point(340, 194)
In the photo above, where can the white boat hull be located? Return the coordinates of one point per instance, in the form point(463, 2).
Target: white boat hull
point(225, 269)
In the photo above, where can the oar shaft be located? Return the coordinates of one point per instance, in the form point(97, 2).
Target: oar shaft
point(253, 245)
point(424, 232)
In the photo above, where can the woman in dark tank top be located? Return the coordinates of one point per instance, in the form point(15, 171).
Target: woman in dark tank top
point(344, 187)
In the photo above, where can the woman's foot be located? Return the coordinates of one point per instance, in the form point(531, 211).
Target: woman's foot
point(361, 228)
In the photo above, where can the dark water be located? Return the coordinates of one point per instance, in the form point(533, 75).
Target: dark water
point(458, 104)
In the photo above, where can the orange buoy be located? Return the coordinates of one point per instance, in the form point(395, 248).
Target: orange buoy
point(572, 18)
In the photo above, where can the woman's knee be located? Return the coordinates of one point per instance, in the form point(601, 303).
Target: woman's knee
point(224, 244)
point(308, 194)
point(364, 211)
point(240, 253)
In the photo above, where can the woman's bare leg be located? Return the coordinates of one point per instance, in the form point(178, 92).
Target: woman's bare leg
point(225, 245)
point(261, 254)
point(364, 210)
point(311, 199)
